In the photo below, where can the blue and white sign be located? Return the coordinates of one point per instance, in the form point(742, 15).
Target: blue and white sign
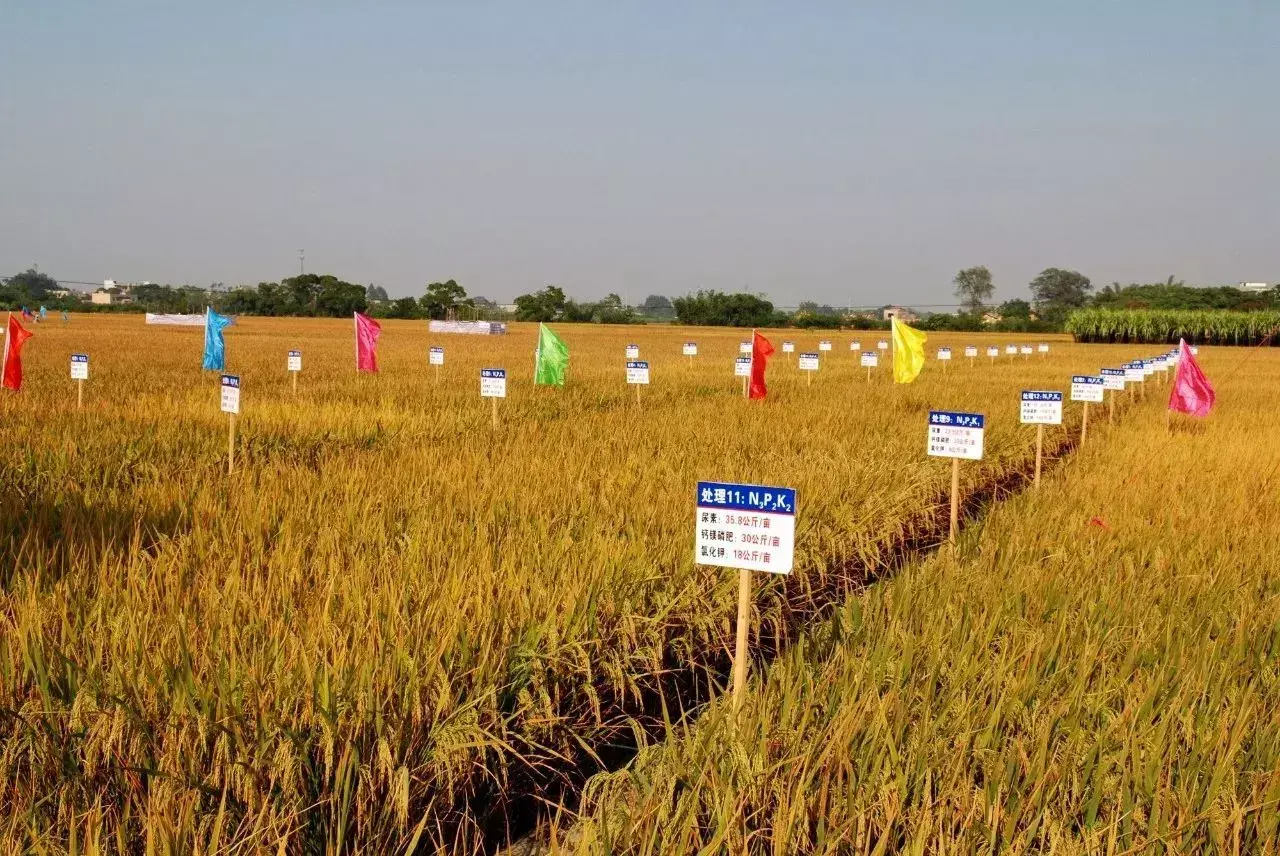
point(809, 362)
point(956, 435)
point(690, 349)
point(993, 352)
point(742, 367)
point(788, 347)
point(1133, 372)
point(824, 345)
point(944, 353)
point(79, 366)
point(1148, 367)
point(1087, 388)
point(746, 526)
point(295, 361)
point(1113, 379)
point(971, 351)
point(435, 356)
point(1162, 363)
point(637, 371)
point(869, 360)
point(231, 393)
point(493, 383)
point(633, 352)
point(1041, 407)
point(743, 348)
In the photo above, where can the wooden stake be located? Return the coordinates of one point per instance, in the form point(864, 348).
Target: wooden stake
point(1084, 424)
point(637, 386)
point(868, 374)
point(437, 374)
point(494, 412)
point(1039, 451)
point(955, 500)
point(80, 394)
point(1111, 408)
point(744, 386)
point(740, 648)
point(808, 378)
point(231, 443)
point(295, 384)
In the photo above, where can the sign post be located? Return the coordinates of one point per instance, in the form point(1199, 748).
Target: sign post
point(435, 357)
point(993, 352)
point(957, 436)
point(690, 350)
point(870, 359)
point(80, 374)
point(789, 348)
point(1133, 377)
point(1112, 380)
point(1043, 348)
point(944, 356)
point(971, 351)
point(808, 365)
point(493, 385)
point(633, 352)
point(742, 369)
point(750, 528)
point(1086, 388)
point(1041, 408)
point(295, 366)
point(638, 374)
point(231, 406)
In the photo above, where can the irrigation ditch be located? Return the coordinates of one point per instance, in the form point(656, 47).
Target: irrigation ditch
point(509, 814)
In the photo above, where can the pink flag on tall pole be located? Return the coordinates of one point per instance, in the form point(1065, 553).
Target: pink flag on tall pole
point(367, 332)
point(1192, 393)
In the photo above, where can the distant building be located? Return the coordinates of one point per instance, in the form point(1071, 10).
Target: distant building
point(990, 318)
point(1255, 287)
point(903, 314)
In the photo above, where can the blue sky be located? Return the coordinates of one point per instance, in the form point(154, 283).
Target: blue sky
point(844, 152)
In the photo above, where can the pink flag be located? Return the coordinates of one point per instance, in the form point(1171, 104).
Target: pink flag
point(367, 332)
point(1192, 393)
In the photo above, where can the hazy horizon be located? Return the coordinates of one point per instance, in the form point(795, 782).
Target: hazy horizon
point(846, 156)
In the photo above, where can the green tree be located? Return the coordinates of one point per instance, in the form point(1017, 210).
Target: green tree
point(547, 304)
point(1015, 309)
point(376, 293)
point(31, 284)
point(443, 297)
point(658, 306)
point(1055, 292)
point(405, 307)
point(338, 299)
point(973, 289)
point(715, 308)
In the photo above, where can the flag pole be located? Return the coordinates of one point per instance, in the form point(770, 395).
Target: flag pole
point(8, 334)
point(355, 329)
point(746, 381)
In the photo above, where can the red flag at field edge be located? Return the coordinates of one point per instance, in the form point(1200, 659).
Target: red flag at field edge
point(761, 350)
point(15, 336)
point(367, 332)
point(1192, 393)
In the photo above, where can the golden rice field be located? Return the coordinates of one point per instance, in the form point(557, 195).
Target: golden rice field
point(392, 616)
point(1096, 669)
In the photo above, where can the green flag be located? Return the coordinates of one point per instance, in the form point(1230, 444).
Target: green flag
point(553, 358)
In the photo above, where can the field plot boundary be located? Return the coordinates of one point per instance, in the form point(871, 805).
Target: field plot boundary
point(508, 816)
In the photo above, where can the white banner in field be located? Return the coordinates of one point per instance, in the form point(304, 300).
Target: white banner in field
point(745, 526)
point(1087, 388)
point(231, 393)
point(478, 328)
point(1113, 379)
point(944, 353)
point(637, 371)
point(493, 383)
point(809, 362)
point(435, 356)
point(633, 352)
point(869, 360)
point(971, 351)
point(295, 361)
point(1041, 407)
point(690, 349)
point(742, 367)
point(174, 320)
point(80, 367)
point(956, 435)
point(788, 347)
point(824, 345)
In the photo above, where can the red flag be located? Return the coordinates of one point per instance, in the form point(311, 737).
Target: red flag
point(1192, 393)
point(15, 336)
point(761, 350)
point(367, 332)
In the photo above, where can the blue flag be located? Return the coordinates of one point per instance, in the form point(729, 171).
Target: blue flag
point(215, 350)
point(44, 313)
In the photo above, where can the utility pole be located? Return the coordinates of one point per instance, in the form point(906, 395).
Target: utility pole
point(302, 262)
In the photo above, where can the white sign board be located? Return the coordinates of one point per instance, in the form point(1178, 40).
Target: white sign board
point(1087, 388)
point(295, 361)
point(1162, 363)
point(971, 351)
point(993, 351)
point(1025, 349)
point(1041, 407)
point(870, 359)
point(79, 366)
point(1113, 379)
point(231, 393)
point(956, 435)
point(944, 353)
point(882, 345)
point(1148, 367)
point(435, 356)
point(1133, 372)
point(633, 352)
point(855, 346)
point(745, 526)
point(824, 345)
point(690, 349)
point(1042, 348)
point(742, 367)
point(493, 383)
point(788, 347)
point(1011, 349)
point(809, 362)
point(744, 347)
point(637, 371)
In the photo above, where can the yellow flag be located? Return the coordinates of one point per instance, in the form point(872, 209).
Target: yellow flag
point(908, 352)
